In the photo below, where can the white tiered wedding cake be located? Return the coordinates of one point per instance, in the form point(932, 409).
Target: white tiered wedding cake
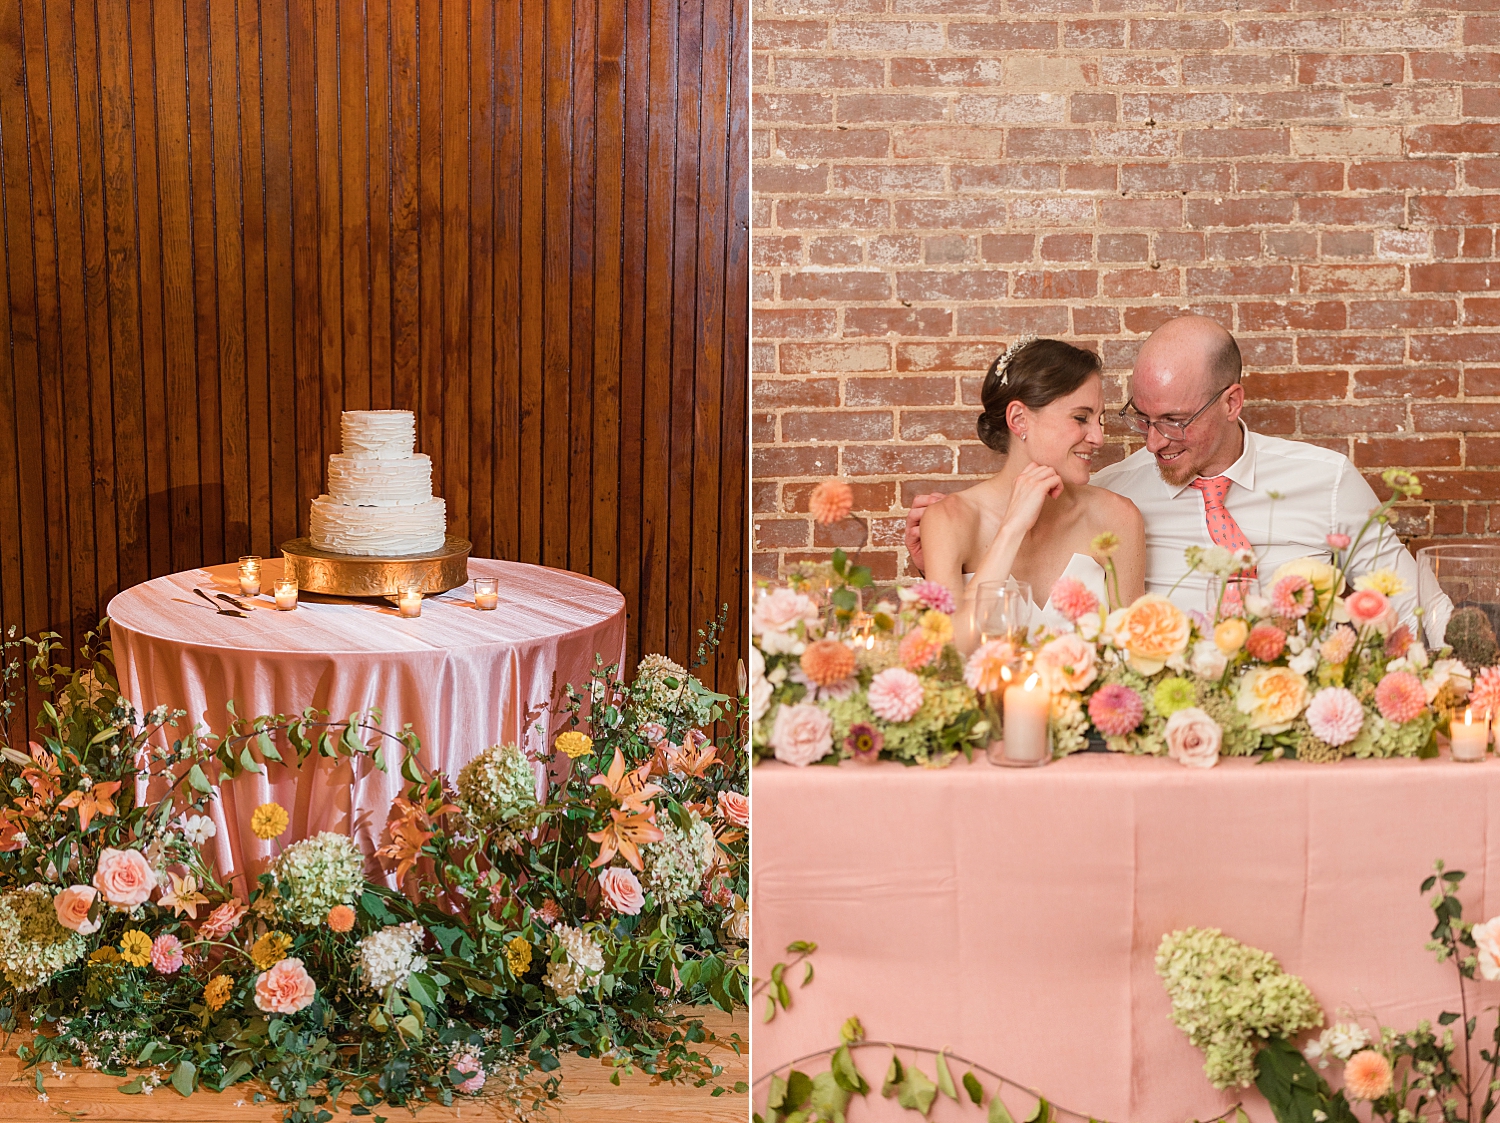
point(379, 501)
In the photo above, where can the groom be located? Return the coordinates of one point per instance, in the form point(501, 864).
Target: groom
point(1203, 478)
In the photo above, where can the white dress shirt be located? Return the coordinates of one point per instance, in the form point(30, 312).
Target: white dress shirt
point(1320, 493)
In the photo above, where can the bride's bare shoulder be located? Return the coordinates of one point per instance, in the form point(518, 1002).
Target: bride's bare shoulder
point(958, 508)
point(1112, 509)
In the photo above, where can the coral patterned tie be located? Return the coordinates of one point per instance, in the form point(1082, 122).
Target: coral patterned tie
point(1221, 525)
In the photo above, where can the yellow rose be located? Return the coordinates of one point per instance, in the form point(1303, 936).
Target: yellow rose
point(1321, 574)
point(1386, 581)
point(1229, 635)
point(1151, 631)
point(937, 625)
point(1272, 697)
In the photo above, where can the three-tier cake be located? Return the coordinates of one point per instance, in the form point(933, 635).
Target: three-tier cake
point(379, 501)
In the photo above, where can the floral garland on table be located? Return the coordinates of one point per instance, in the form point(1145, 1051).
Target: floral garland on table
point(575, 921)
point(1310, 671)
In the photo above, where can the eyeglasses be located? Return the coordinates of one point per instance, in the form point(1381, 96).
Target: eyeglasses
point(1170, 430)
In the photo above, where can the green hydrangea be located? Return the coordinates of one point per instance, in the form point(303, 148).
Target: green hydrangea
point(314, 875)
point(1173, 693)
point(1239, 738)
point(1069, 723)
point(664, 692)
point(33, 945)
point(1380, 738)
point(497, 785)
point(1310, 747)
point(1225, 995)
point(916, 741)
point(677, 864)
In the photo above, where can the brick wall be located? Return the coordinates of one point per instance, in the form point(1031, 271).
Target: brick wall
point(932, 177)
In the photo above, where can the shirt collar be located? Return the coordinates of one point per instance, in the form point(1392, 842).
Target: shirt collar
point(1241, 472)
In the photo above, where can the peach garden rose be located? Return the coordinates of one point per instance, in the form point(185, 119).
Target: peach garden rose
point(124, 878)
point(1273, 697)
point(73, 905)
point(1151, 631)
point(621, 890)
point(285, 988)
point(1067, 663)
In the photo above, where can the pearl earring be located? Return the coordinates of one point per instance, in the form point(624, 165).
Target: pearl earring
point(1023, 436)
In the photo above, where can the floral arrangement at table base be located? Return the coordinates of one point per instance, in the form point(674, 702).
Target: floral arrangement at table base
point(1313, 669)
point(577, 921)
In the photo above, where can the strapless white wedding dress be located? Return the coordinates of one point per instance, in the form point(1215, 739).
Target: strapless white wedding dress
point(1081, 568)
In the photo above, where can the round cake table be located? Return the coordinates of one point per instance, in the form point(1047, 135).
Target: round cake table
point(464, 679)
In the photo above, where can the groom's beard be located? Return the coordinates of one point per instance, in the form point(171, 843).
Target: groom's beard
point(1177, 472)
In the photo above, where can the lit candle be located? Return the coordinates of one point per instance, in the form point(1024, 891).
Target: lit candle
point(992, 707)
point(1469, 738)
point(286, 595)
point(409, 601)
point(1027, 707)
point(486, 593)
point(250, 576)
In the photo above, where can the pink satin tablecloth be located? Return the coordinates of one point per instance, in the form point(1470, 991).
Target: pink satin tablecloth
point(1013, 915)
point(462, 678)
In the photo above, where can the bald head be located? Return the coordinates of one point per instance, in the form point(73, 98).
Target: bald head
point(1189, 357)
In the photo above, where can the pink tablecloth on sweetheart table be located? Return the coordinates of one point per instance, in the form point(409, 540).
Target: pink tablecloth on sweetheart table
point(1013, 916)
point(462, 678)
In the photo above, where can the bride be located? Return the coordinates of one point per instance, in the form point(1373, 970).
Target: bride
point(1034, 520)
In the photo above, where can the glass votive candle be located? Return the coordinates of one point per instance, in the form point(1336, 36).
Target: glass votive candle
point(250, 579)
point(486, 593)
point(1468, 739)
point(409, 600)
point(286, 594)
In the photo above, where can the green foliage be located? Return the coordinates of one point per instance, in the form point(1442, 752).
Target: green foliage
point(1295, 1091)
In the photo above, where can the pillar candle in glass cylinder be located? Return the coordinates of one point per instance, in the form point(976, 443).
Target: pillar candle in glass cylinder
point(486, 593)
point(286, 594)
point(250, 576)
point(1028, 739)
point(409, 601)
point(1469, 738)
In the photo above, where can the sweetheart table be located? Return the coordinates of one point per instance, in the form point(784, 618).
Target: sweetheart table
point(1013, 915)
point(464, 679)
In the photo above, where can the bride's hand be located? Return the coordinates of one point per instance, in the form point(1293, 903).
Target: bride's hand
point(1032, 488)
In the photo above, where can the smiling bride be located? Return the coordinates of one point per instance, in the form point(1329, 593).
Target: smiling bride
point(1035, 519)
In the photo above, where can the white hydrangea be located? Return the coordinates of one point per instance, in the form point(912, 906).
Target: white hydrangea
point(656, 699)
point(584, 959)
point(33, 945)
point(677, 865)
point(497, 785)
point(388, 957)
point(314, 875)
point(1339, 1041)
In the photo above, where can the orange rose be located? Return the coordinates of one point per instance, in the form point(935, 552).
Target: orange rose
point(1230, 635)
point(1151, 631)
point(1273, 697)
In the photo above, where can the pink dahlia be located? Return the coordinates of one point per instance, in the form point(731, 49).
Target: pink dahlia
point(985, 670)
point(1265, 642)
point(932, 595)
point(895, 694)
point(1400, 696)
point(1338, 541)
point(831, 501)
point(1073, 599)
point(1116, 710)
point(1367, 1075)
point(1398, 643)
point(1485, 697)
point(166, 954)
point(1335, 716)
point(864, 742)
point(1293, 597)
point(1337, 648)
point(918, 649)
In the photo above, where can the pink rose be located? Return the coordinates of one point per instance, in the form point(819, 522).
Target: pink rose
point(802, 734)
point(124, 878)
point(735, 807)
point(1067, 663)
point(778, 610)
point(285, 988)
point(73, 905)
point(622, 892)
point(1368, 608)
point(469, 1064)
point(1193, 738)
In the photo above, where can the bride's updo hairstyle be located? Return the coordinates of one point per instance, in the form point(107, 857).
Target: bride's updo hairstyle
point(1038, 373)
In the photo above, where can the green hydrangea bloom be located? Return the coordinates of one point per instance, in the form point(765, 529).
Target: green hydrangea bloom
point(1239, 738)
point(314, 875)
point(678, 862)
point(33, 945)
point(915, 741)
point(665, 692)
point(1381, 738)
point(1225, 995)
point(497, 785)
point(1069, 723)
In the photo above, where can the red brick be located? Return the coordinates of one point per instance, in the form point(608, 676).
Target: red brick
point(1200, 34)
point(791, 179)
point(1374, 210)
point(1068, 247)
point(876, 178)
point(1324, 315)
point(1349, 418)
point(965, 356)
point(1481, 31)
point(1482, 312)
point(1397, 175)
point(832, 144)
point(1124, 247)
point(1176, 107)
point(771, 533)
point(829, 73)
point(1482, 382)
point(1474, 277)
point(974, 284)
point(948, 424)
point(1483, 485)
point(1303, 244)
point(1451, 66)
point(777, 393)
point(904, 35)
point(1007, 35)
point(1271, 417)
point(867, 496)
point(832, 214)
point(976, 460)
point(947, 249)
point(893, 460)
point(1179, 245)
point(1456, 210)
point(795, 35)
point(905, 390)
point(1351, 278)
point(1096, 320)
point(1239, 212)
point(1302, 105)
point(1471, 137)
point(1381, 452)
point(965, 143)
point(1055, 284)
point(1097, 34)
point(1237, 70)
point(1128, 144)
point(836, 250)
point(1148, 319)
point(1395, 382)
point(803, 109)
point(897, 321)
point(1478, 242)
point(1048, 143)
point(1232, 245)
point(798, 426)
point(1153, 214)
point(1289, 176)
point(1402, 33)
point(861, 108)
point(767, 250)
point(1176, 176)
point(1301, 385)
point(1377, 314)
point(779, 461)
point(1092, 108)
point(1052, 212)
point(1012, 321)
point(763, 496)
point(1351, 70)
point(1483, 102)
point(1139, 70)
point(1090, 177)
point(1006, 177)
point(840, 285)
point(946, 72)
point(1304, 34)
point(1471, 347)
point(1330, 350)
point(1141, 282)
point(1007, 247)
point(1264, 351)
point(1236, 141)
point(1451, 417)
point(794, 323)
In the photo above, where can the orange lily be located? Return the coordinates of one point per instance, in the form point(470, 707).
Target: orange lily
point(627, 830)
point(623, 785)
point(183, 898)
point(408, 828)
point(690, 759)
point(98, 800)
point(43, 774)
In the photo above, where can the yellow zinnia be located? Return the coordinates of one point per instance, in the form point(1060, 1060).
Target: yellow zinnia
point(105, 954)
point(1386, 581)
point(269, 821)
point(135, 948)
point(217, 991)
point(573, 743)
point(518, 956)
point(270, 950)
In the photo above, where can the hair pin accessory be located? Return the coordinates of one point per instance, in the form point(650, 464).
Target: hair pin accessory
point(1010, 353)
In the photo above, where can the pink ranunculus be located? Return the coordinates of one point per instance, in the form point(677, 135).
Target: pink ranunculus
point(735, 807)
point(1368, 608)
point(73, 905)
point(1193, 738)
point(285, 988)
point(124, 878)
point(1338, 541)
point(802, 734)
point(895, 694)
point(470, 1064)
point(1067, 663)
point(621, 890)
point(778, 610)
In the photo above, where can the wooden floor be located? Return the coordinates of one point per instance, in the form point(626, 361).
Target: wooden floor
point(588, 1096)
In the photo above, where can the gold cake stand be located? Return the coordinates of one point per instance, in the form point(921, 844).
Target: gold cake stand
point(346, 575)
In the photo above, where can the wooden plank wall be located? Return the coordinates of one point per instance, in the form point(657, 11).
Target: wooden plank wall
point(225, 221)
